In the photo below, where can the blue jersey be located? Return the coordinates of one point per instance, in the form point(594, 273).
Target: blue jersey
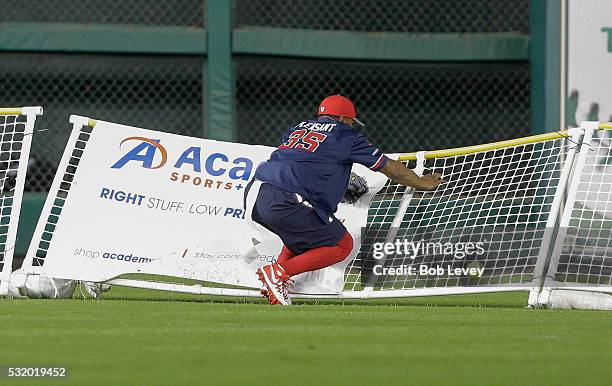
point(315, 160)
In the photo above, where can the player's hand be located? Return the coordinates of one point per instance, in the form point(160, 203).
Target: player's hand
point(399, 173)
point(431, 181)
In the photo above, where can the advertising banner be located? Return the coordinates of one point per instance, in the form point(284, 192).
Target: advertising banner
point(589, 62)
point(143, 201)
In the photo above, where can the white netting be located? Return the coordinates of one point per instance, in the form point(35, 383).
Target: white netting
point(12, 164)
point(502, 198)
point(586, 254)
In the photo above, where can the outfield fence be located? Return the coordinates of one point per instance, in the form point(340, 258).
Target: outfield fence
point(536, 209)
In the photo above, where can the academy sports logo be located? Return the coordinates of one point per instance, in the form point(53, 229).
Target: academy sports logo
point(149, 148)
point(193, 165)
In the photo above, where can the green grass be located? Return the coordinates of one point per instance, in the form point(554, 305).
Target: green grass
point(138, 337)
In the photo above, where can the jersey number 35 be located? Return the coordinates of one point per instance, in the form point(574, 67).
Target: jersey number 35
point(305, 140)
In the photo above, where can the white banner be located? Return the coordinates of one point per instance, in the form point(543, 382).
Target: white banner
point(589, 81)
point(590, 56)
point(150, 202)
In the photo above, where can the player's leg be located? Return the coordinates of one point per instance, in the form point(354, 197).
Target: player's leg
point(319, 257)
point(271, 204)
point(316, 243)
point(276, 276)
point(285, 255)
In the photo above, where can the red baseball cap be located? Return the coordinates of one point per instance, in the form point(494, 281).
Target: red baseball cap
point(338, 106)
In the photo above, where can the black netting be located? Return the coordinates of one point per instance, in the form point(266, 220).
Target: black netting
point(145, 12)
point(406, 106)
point(162, 93)
point(387, 15)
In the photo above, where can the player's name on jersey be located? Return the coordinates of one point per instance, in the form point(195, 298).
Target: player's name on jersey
point(317, 126)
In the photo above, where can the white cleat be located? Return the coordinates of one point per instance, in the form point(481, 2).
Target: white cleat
point(276, 284)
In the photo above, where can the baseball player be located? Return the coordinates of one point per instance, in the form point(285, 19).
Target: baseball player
point(301, 184)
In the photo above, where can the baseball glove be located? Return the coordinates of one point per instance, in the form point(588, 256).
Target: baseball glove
point(357, 187)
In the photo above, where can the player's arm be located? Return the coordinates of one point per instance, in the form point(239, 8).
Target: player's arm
point(364, 153)
point(399, 173)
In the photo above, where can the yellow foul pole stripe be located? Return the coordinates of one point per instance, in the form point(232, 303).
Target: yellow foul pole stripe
point(486, 146)
point(11, 111)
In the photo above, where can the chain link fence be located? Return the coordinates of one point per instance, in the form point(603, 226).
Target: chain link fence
point(405, 106)
point(387, 15)
point(158, 92)
point(140, 12)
